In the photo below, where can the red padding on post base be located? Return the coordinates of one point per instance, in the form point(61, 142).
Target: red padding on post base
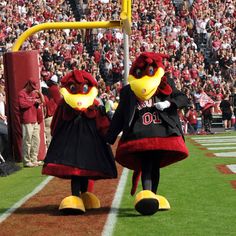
point(18, 68)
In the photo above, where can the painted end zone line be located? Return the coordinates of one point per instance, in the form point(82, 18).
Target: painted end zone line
point(7, 213)
point(111, 219)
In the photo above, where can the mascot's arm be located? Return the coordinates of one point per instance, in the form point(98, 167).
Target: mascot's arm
point(91, 111)
point(57, 117)
point(117, 119)
point(177, 98)
point(102, 121)
point(98, 112)
point(63, 112)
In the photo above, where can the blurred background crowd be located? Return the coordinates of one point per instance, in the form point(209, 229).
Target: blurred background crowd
point(198, 35)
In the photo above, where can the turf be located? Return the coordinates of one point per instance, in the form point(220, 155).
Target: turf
point(202, 200)
point(17, 185)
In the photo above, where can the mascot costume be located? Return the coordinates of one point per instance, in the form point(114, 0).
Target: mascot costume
point(152, 136)
point(78, 150)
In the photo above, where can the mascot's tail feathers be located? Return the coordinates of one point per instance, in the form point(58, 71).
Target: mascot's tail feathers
point(90, 185)
point(135, 180)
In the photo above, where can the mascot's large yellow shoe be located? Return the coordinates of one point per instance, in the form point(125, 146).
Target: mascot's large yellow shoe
point(90, 201)
point(146, 203)
point(72, 205)
point(163, 203)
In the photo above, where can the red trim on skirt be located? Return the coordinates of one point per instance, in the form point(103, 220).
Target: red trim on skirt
point(168, 149)
point(63, 171)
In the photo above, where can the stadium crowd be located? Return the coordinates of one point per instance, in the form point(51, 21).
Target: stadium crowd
point(198, 35)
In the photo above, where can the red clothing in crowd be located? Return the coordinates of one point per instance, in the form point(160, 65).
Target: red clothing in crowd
point(29, 113)
point(97, 56)
point(216, 44)
point(176, 73)
point(192, 117)
point(54, 91)
point(194, 73)
point(50, 106)
point(186, 75)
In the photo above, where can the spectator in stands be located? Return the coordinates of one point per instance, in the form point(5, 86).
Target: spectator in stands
point(155, 27)
point(3, 125)
point(53, 87)
point(109, 106)
point(191, 116)
point(3, 116)
point(207, 119)
point(48, 109)
point(227, 111)
point(52, 98)
point(196, 97)
point(183, 121)
point(30, 104)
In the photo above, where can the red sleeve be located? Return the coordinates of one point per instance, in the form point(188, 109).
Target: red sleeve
point(25, 101)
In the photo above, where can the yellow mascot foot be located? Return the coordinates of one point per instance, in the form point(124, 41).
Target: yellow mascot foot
point(90, 201)
point(163, 203)
point(72, 205)
point(146, 203)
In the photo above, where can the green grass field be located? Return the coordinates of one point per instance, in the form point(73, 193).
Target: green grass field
point(203, 202)
point(17, 185)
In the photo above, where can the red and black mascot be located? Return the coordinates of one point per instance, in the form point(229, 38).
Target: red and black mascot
point(152, 136)
point(78, 150)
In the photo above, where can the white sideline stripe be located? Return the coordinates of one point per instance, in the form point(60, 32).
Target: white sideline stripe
point(18, 204)
point(221, 148)
point(216, 141)
point(111, 219)
point(225, 154)
point(232, 168)
point(216, 144)
point(215, 137)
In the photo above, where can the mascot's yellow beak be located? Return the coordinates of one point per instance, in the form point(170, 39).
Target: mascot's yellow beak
point(79, 101)
point(145, 87)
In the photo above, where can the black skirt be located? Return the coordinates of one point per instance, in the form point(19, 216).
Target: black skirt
point(77, 148)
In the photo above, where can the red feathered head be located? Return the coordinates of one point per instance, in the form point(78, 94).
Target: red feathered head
point(78, 77)
point(146, 75)
point(148, 59)
point(79, 89)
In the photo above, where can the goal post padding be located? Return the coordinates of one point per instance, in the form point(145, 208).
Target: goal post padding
point(18, 68)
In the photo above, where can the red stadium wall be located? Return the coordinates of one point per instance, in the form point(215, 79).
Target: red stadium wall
point(18, 68)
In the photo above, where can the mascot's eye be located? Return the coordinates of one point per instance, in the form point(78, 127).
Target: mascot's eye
point(138, 73)
point(150, 70)
point(85, 88)
point(73, 88)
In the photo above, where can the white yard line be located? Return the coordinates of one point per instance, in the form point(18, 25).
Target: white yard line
point(232, 168)
point(225, 154)
point(214, 137)
point(7, 213)
point(216, 144)
point(215, 141)
point(221, 148)
point(112, 217)
point(220, 142)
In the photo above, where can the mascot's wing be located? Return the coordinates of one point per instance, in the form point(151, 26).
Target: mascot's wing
point(57, 118)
